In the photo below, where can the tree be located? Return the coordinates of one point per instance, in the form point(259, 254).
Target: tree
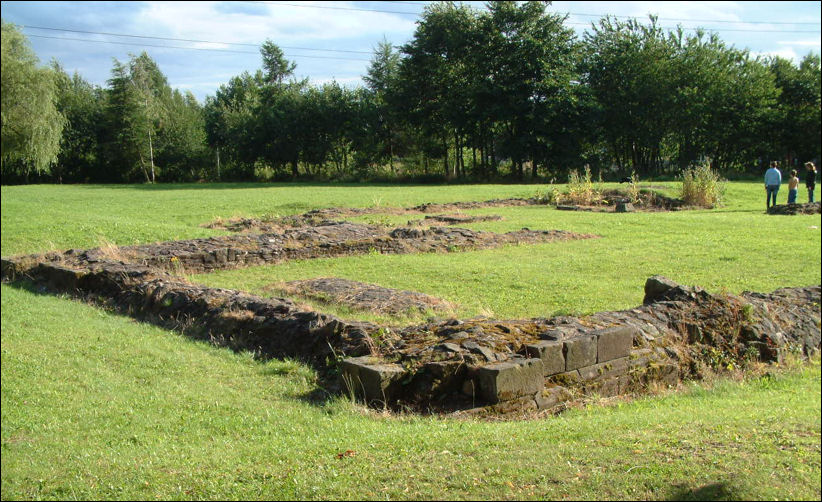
point(628, 67)
point(275, 65)
point(529, 67)
point(82, 105)
point(31, 124)
point(797, 122)
point(381, 79)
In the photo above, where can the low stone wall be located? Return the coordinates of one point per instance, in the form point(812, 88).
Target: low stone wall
point(329, 239)
point(446, 364)
point(542, 363)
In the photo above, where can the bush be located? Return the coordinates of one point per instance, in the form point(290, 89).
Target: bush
point(581, 189)
point(702, 187)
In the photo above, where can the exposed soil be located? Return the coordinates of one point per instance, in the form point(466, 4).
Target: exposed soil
point(791, 209)
point(317, 216)
point(648, 201)
point(363, 296)
point(454, 219)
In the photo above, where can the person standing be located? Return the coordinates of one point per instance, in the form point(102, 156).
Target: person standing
point(793, 187)
point(773, 178)
point(810, 179)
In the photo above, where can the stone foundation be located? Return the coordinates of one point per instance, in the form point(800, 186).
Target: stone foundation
point(447, 364)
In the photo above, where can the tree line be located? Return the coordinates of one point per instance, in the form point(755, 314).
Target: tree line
point(504, 93)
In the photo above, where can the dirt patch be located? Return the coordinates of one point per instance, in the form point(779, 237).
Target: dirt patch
point(363, 296)
point(320, 216)
point(791, 209)
point(454, 219)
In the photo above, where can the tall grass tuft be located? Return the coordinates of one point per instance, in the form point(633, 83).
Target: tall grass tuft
point(581, 189)
point(633, 188)
point(702, 187)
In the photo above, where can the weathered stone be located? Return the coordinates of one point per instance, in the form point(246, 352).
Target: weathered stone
point(580, 351)
point(482, 350)
point(448, 347)
point(612, 368)
point(371, 378)
point(613, 343)
point(552, 397)
point(656, 287)
point(567, 379)
point(510, 379)
point(470, 388)
point(550, 354)
point(624, 207)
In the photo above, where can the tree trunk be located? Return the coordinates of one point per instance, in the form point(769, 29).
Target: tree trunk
point(391, 150)
point(445, 148)
point(218, 162)
point(151, 155)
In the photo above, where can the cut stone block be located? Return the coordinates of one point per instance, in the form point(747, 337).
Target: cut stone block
point(551, 397)
point(370, 378)
point(510, 379)
point(612, 368)
point(614, 343)
point(580, 352)
point(550, 353)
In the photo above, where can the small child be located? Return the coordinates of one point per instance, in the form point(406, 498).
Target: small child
point(793, 187)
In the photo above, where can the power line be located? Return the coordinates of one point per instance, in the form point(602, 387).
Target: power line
point(576, 14)
point(690, 20)
point(191, 48)
point(184, 39)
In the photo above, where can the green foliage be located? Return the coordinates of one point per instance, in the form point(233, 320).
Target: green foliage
point(702, 186)
point(505, 92)
point(796, 121)
point(31, 123)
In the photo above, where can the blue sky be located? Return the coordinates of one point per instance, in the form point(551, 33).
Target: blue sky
point(222, 37)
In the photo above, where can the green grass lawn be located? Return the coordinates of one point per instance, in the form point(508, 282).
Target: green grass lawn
point(95, 405)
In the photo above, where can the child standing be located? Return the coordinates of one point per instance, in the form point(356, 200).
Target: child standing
point(793, 187)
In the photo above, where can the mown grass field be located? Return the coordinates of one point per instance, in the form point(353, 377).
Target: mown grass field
point(95, 405)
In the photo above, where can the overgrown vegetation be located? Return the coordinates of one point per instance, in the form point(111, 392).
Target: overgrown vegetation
point(581, 189)
point(702, 186)
point(504, 93)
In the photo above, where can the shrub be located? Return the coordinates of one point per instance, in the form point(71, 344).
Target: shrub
point(633, 188)
point(702, 187)
point(581, 189)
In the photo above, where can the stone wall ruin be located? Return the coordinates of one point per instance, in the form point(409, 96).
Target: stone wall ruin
point(479, 364)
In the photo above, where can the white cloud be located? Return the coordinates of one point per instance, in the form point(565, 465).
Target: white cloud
point(784, 53)
point(802, 43)
point(284, 24)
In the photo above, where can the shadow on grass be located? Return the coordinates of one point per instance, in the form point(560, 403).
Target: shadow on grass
point(328, 383)
point(713, 491)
